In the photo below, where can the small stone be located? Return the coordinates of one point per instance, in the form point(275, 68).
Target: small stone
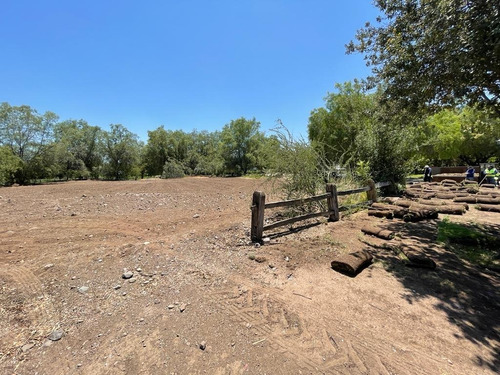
point(47, 266)
point(27, 347)
point(260, 259)
point(251, 256)
point(127, 275)
point(124, 293)
point(139, 269)
point(73, 214)
point(56, 335)
point(83, 289)
point(196, 216)
point(203, 345)
point(266, 241)
point(78, 365)
point(147, 243)
point(182, 307)
point(132, 280)
point(116, 287)
point(170, 307)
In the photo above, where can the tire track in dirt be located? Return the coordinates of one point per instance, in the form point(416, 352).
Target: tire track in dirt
point(38, 316)
point(261, 309)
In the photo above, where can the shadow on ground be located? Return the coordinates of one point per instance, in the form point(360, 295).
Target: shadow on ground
point(468, 294)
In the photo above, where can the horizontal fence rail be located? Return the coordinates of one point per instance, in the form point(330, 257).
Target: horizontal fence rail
point(259, 205)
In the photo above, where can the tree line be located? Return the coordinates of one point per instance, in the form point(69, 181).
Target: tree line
point(351, 132)
point(36, 146)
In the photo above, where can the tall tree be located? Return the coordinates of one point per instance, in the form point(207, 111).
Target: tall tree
point(78, 147)
point(333, 129)
point(121, 148)
point(240, 143)
point(459, 136)
point(9, 165)
point(429, 53)
point(157, 151)
point(27, 134)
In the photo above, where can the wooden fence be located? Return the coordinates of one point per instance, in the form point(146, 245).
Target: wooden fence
point(259, 205)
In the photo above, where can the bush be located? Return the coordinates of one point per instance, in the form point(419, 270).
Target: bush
point(172, 169)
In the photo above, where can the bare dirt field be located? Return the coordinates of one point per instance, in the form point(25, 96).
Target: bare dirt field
point(198, 302)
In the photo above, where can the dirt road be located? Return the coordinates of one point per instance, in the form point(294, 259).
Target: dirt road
point(198, 303)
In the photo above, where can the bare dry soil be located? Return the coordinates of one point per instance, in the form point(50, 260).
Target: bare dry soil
point(198, 301)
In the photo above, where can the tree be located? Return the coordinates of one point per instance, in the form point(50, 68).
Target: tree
point(333, 130)
point(27, 134)
point(355, 133)
point(435, 52)
point(156, 152)
point(9, 165)
point(240, 144)
point(77, 148)
point(461, 136)
point(205, 155)
point(121, 149)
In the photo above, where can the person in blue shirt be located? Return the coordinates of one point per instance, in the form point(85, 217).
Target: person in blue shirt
point(469, 175)
point(427, 174)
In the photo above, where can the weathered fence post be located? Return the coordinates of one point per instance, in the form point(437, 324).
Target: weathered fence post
point(332, 202)
point(258, 205)
point(371, 194)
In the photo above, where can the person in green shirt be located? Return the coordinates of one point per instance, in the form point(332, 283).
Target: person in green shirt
point(491, 173)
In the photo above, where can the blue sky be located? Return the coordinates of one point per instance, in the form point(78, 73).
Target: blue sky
point(183, 64)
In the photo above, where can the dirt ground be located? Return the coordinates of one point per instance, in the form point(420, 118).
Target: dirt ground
point(198, 304)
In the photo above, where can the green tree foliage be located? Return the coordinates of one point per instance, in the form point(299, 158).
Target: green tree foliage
point(121, 151)
point(434, 52)
point(195, 152)
point(205, 154)
point(157, 151)
point(241, 140)
point(77, 148)
point(334, 129)
point(387, 150)
point(173, 169)
point(9, 165)
point(354, 132)
point(465, 136)
point(27, 134)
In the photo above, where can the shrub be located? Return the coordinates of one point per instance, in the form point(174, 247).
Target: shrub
point(172, 169)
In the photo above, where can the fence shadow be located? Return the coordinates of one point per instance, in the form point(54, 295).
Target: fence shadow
point(292, 229)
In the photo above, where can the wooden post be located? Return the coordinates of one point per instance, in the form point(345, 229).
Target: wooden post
point(371, 194)
point(258, 205)
point(333, 203)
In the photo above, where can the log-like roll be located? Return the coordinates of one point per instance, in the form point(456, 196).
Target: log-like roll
point(353, 263)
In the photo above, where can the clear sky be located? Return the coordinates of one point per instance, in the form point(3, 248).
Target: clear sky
point(184, 64)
